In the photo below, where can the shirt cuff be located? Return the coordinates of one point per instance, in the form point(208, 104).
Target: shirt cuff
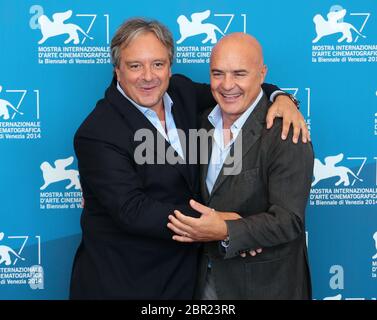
point(274, 94)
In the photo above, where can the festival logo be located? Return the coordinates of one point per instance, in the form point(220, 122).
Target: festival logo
point(200, 31)
point(15, 268)
point(330, 169)
point(57, 27)
point(5, 107)
point(334, 25)
point(7, 255)
point(61, 187)
point(340, 180)
point(58, 172)
point(196, 27)
point(20, 114)
point(71, 38)
point(341, 36)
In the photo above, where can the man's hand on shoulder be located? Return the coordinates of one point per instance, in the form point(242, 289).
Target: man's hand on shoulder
point(285, 108)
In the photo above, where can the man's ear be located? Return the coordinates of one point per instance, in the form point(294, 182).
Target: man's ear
point(263, 73)
point(117, 72)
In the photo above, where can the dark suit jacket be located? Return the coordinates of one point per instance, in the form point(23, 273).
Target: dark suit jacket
point(270, 194)
point(127, 251)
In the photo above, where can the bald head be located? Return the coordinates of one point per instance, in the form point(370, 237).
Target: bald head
point(238, 43)
point(237, 72)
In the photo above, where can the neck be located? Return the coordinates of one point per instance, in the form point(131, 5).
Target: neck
point(160, 110)
point(227, 133)
point(229, 119)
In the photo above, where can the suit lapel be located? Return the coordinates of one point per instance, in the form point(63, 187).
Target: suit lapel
point(136, 120)
point(251, 132)
point(204, 166)
point(188, 171)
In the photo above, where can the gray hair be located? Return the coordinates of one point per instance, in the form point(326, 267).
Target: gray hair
point(132, 28)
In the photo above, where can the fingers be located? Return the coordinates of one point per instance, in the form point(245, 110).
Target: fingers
point(181, 230)
point(305, 133)
point(285, 130)
point(189, 221)
point(253, 253)
point(270, 117)
point(178, 227)
point(199, 207)
point(300, 128)
point(177, 231)
point(296, 133)
point(182, 239)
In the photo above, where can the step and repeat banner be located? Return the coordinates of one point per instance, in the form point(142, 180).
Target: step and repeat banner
point(55, 64)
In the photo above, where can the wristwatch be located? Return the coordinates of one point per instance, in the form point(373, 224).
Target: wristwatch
point(290, 96)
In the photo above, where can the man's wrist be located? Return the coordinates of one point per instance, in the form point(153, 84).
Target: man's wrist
point(274, 94)
point(288, 95)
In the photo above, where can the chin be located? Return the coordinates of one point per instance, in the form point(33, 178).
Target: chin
point(149, 103)
point(231, 109)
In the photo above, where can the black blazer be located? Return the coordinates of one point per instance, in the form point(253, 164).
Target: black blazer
point(270, 193)
point(127, 251)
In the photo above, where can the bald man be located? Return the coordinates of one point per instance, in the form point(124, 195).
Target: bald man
point(255, 189)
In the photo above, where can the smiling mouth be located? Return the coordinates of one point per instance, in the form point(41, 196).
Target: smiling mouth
point(147, 89)
point(230, 97)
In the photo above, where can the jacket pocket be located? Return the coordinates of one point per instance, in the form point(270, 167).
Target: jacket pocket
point(269, 280)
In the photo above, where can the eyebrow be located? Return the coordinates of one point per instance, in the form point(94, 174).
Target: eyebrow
point(233, 71)
point(137, 61)
point(216, 70)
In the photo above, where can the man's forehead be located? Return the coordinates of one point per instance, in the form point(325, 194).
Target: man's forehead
point(144, 52)
point(228, 69)
point(141, 38)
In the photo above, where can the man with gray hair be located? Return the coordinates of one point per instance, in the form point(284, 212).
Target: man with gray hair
point(127, 252)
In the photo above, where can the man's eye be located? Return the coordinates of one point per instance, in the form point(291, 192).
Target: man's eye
point(158, 65)
point(134, 66)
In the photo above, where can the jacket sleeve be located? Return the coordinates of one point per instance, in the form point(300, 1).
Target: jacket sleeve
point(289, 176)
point(269, 89)
point(113, 187)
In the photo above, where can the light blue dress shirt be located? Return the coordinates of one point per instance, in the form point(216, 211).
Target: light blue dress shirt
point(171, 133)
point(219, 151)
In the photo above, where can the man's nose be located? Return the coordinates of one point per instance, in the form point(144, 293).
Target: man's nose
point(148, 74)
point(228, 82)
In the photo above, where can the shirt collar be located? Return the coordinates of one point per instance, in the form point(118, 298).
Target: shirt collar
point(238, 124)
